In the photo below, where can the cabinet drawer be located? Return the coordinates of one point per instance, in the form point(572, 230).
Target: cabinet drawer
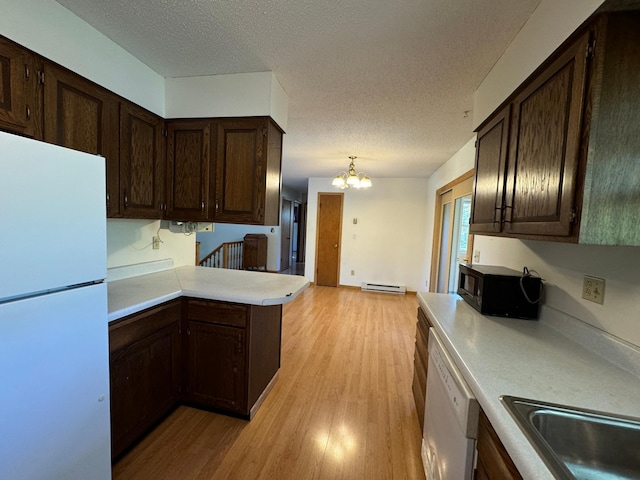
point(140, 325)
point(220, 313)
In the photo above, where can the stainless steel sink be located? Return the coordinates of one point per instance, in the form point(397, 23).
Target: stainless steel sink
point(579, 444)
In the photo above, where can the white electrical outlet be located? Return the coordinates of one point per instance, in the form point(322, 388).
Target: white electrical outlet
point(476, 256)
point(156, 243)
point(353, 272)
point(593, 289)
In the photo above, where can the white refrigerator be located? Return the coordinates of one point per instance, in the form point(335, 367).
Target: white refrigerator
point(54, 353)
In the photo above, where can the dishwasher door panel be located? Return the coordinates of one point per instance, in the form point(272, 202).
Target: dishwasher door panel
point(447, 450)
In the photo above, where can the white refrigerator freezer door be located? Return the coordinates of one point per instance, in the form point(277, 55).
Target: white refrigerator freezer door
point(54, 378)
point(52, 217)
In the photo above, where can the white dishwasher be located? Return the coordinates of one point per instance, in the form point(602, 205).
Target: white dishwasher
point(450, 418)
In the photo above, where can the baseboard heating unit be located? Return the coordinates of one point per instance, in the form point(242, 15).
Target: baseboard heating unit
point(376, 287)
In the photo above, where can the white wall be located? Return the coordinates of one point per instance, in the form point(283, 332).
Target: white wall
point(460, 163)
point(389, 238)
point(561, 265)
point(549, 25)
point(49, 29)
point(237, 95)
point(227, 232)
point(130, 241)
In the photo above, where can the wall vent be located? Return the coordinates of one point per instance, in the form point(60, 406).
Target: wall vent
point(376, 287)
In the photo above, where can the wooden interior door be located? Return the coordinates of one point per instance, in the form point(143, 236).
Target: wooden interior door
point(285, 234)
point(302, 232)
point(329, 234)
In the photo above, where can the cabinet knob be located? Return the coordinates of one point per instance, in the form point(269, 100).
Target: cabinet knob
point(202, 205)
point(335, 245)
point(126, 200)
point(28, 113)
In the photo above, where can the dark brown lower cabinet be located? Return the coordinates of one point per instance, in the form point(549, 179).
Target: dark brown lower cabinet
point(216, 355)
point(494, 462)
point(420, 364)
point(233, 354)
point(144, 364)
point(217, 366)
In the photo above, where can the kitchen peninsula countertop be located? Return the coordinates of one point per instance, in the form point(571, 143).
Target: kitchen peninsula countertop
point(533, 359)
point(134, 294)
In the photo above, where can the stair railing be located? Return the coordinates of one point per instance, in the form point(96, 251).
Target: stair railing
point(227, 255)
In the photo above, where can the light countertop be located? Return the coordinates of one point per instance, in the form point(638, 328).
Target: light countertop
point(134, 294)
point(532, 359)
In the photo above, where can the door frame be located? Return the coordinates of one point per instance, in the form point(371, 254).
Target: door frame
point(437, 228)
point(282, 205)
point(315, 266)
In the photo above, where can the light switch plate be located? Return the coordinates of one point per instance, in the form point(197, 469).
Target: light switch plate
point(593, 289)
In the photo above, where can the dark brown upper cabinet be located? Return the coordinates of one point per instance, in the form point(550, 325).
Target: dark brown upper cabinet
point(491, 162)
point(571, 165)
point(190, 171)
point(219, 169)
point(79, 114)
point(610, 197)
point(542, 163)
point(248, 161)
point(142, 163)
point(527, 153)
point(20, 91)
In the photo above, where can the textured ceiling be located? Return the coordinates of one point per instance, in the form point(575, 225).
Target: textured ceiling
point(388, 81)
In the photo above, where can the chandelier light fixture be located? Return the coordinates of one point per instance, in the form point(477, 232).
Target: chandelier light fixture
point(351, 179)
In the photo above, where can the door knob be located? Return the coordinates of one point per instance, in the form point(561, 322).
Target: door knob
point(335, 246)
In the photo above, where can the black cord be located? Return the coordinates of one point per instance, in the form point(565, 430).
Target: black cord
point(526, 273)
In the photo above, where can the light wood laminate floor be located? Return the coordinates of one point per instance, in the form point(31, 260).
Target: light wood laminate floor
point(342, 407)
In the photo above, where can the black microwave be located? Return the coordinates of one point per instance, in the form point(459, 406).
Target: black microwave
point(498, 291)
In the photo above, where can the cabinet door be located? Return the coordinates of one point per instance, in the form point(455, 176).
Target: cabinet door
point(144, 384)
point(81, 115)
point(241, 170)
point(491, 165)
point(20, 92)
point(494, 462)
point(142, 165)
point(217, 366)
point(190, 174)
point(544, 147)
point(421, 364)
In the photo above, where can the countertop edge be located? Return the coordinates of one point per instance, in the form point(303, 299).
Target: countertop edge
point(172, 287)
point(139, 307)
